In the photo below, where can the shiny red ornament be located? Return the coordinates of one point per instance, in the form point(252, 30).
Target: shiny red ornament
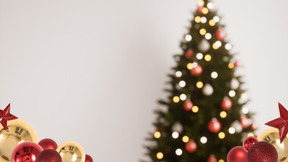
point(26, 152)
point(49, 155)
point(189, 54)
point(88, 158)
point(48, 143)
point(244, 120)
point(281, 123)
point(214, 126)
point(220, 34)
point(188, 105)
point(237, 154)
point(262, 152)
point(226, 103)
point(6, 116)
point(196, 71)
point(212, 158)
point(237, 64)
point(191, 146)
point(248, 142)
point(199, 9)
point(254, 126)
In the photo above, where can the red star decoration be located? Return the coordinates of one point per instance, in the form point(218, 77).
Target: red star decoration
point(6, 116)
point(280, 123)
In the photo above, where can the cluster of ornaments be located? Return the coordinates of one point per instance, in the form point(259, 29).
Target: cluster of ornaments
point(19, 143)
point(270, 146)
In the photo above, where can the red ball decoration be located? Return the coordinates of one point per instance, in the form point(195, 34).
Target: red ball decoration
point(244, 121)
point(48, 143)
point(196, 70)
point(188, 105)
point(26, 151)
point(199, 9)
point(212, 158)
point(237, 64)
point(248, 142)
point(214, 126)
point(49, 155)
point(189, 54)
point(237, 154)
point(262, 151)
point(220, 34)
point(88, 158)
point(191, 146)
point(226, 103)
point(254, 126)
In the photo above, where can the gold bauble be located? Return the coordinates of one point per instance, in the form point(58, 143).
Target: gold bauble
point(71, 152)
point(271, 135)
point(18, 131)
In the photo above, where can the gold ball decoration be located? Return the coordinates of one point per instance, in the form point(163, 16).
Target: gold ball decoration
point(271, 135)
point(71, 152)
point(18, 131)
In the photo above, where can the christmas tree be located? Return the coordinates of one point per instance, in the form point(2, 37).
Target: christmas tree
point(204, 115)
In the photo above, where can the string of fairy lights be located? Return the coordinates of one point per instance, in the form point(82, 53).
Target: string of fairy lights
point(207, 89)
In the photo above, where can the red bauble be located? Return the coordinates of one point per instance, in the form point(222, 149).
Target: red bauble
point(212, 158)
point(237, 154)
point(254, 126)
point(237, 64)
point(188, 105)
point(244, 121)
point(196, 70)
point(248, 142)
point(214, 126)
point(49, 155)
point(226, 103)
point(48, 143)
point(88, 158)
point(199, 9)
point(220, 34)
point(26, 151)
point(189, 54)
point(191, 146)
point(262, 151)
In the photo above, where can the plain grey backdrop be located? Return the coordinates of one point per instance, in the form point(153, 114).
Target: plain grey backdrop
point(91, 71)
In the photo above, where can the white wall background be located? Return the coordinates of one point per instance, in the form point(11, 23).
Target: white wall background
point(91, 71)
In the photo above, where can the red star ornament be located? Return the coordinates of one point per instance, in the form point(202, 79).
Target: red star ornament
point(6, 116)
point(280, 123)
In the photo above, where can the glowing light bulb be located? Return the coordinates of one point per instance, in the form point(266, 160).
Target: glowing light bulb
point(207, 58)
point(231, 130)
point(214, 74)
point(217, 45)
point(230, 65)
point(157, 134)
point(175, 135)
point(185, 139)
point(208, 36)
point(178, 74)
point(212, 22)
point(216, 19)
point(188, 37)
point(228, 46)
point(183, 97)
point(250, 134)
point(203, 140)
point(199, 84)
point(194, 64)
point(159, 155)
point(221, 135)
point(199, 56)
point(232, 93)
point(189, 66)
point(205, 10)
point(203, 20)
point(245, 110)
point(182, 83)
point(176, 99)
point(201, 3)
point(197, 19)
point(195, 109)
point(223, 114)
point(178, 152)
point(202, 31)
point(221, 160)
point(210, 5)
